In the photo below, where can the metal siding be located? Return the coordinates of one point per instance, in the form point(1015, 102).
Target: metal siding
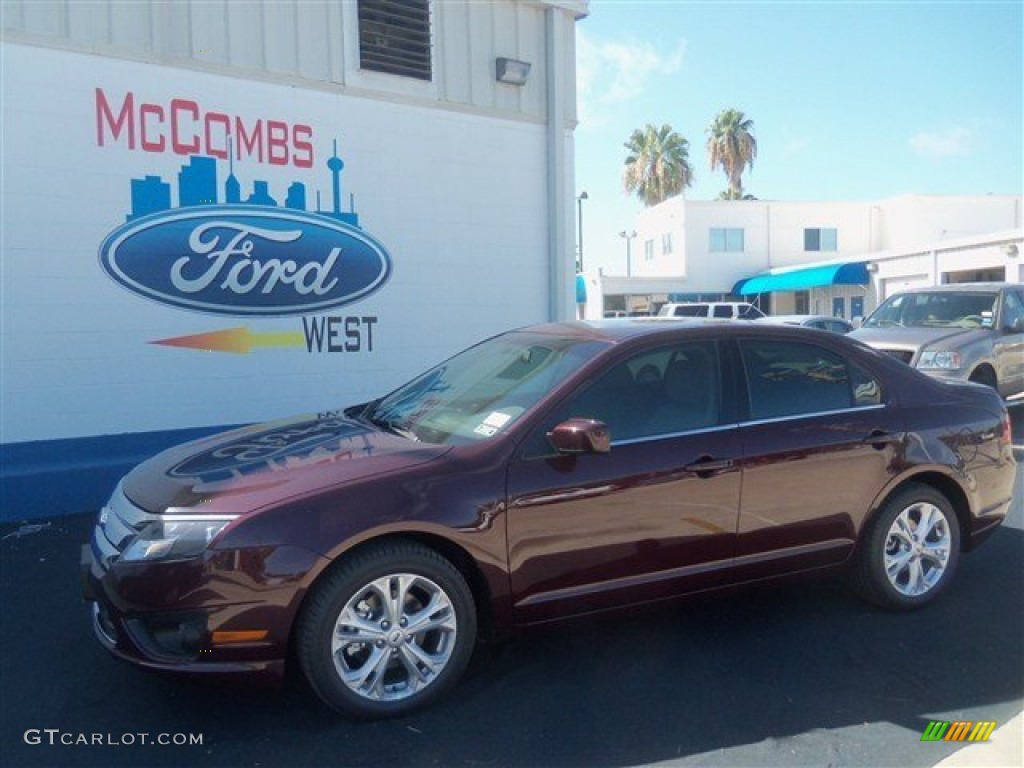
point(307, 40)
point(314, 33)
point(88, 23)
point(209, 31)
point(171, 30)
point(130, 27)
point(454, 51)
point(44, 18)
point(246, 44)
point(280, 38)
point(481, 55)
point(337, 39)
point(532, 48)
point(506, 43)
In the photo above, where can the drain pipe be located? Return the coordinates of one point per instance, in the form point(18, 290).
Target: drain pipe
point(560, 277)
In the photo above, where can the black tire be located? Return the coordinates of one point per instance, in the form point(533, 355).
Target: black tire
point(908, 588)
point(356, 586)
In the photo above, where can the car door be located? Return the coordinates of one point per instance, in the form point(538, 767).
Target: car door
point(1008, 347)
point(819, 441)
point(654, 516)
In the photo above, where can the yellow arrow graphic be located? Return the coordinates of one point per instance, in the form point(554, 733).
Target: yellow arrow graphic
point(237, 341)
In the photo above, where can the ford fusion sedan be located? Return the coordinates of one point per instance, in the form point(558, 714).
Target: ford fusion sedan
point(965, 332)
point(548, 472)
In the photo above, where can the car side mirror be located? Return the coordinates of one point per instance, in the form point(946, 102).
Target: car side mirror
point(581, 436)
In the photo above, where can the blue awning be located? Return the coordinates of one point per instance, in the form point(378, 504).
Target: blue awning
point(852, 273)
point(581, 289)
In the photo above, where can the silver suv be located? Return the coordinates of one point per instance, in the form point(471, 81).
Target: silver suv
point(969, 331)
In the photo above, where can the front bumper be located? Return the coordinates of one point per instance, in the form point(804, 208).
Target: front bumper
point(216, 615)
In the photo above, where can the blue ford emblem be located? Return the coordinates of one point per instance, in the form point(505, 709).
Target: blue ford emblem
point(245, 260)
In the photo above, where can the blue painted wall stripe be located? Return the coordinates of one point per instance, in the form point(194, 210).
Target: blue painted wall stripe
point(50, 478)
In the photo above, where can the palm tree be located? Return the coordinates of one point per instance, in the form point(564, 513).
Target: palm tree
point(658, 164)
point(732, 147)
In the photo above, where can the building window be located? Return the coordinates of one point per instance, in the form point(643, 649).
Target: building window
point(394, 37)
point(726, 240)
point(648, 250)
point(820, 240)
point(666, 243)
point(802, 302)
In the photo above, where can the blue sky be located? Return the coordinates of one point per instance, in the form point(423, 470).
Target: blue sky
point(850, 100)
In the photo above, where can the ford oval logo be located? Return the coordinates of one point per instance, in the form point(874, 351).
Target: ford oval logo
point(245, 260)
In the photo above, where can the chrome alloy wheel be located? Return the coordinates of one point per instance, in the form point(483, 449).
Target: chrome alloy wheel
point(917, 549)
point(394, 637)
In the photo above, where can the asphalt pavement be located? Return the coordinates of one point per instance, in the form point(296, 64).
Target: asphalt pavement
point(791, 674)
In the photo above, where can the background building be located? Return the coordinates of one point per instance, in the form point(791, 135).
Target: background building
point(832, 258)
point(435, 136)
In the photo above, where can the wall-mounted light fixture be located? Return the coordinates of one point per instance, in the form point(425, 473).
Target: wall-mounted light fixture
point(871, 267)
point(1011, 250)
point(511, 71)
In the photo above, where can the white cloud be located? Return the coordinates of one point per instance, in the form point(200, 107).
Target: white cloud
point(793, 148)
point(610, 74)
point(952, 141)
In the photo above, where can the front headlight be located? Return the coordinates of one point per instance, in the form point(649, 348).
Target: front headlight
point(174, 539)
point(938, 359)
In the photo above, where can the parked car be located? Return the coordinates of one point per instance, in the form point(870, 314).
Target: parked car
point(966, 332)
point(725, 310)
point(548, 472)
point(821, 322)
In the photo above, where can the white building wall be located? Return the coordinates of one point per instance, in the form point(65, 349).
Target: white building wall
point(469, 258)
point(774, 237)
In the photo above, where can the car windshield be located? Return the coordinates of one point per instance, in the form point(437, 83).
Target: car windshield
point(939, 309)
point(482, 391)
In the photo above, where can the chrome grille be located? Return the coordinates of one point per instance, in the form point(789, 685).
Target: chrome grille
point(120, 519)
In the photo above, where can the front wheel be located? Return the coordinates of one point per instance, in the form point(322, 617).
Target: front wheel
point(910, 552)
point(388, 631)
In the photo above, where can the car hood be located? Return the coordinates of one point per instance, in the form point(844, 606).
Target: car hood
point(905, 338)
point(253, 467)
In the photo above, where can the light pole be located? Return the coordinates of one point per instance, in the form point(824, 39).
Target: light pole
point(628, 237)
point(579, 224)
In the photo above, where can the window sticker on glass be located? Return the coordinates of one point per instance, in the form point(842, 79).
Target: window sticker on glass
point(485, 430)
point(497, 419)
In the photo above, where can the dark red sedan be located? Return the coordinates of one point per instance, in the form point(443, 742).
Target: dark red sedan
point(544, 473)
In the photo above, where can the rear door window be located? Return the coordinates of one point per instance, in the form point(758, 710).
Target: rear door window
point(786, 378)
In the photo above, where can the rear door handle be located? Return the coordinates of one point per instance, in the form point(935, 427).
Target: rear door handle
point(879, 439)
point(708, 465)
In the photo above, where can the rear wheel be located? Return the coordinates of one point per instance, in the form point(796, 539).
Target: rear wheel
point(390, 630)
point(910, 552)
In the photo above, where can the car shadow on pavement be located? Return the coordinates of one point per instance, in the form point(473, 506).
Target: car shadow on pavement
point(794, 673)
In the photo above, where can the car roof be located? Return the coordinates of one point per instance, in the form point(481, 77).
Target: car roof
point(616, 330)
point(962, 287)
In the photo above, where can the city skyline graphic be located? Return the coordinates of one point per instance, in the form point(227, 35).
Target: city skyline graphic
point(197, 185)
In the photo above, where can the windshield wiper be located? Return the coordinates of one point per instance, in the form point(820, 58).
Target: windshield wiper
point(394, 426)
